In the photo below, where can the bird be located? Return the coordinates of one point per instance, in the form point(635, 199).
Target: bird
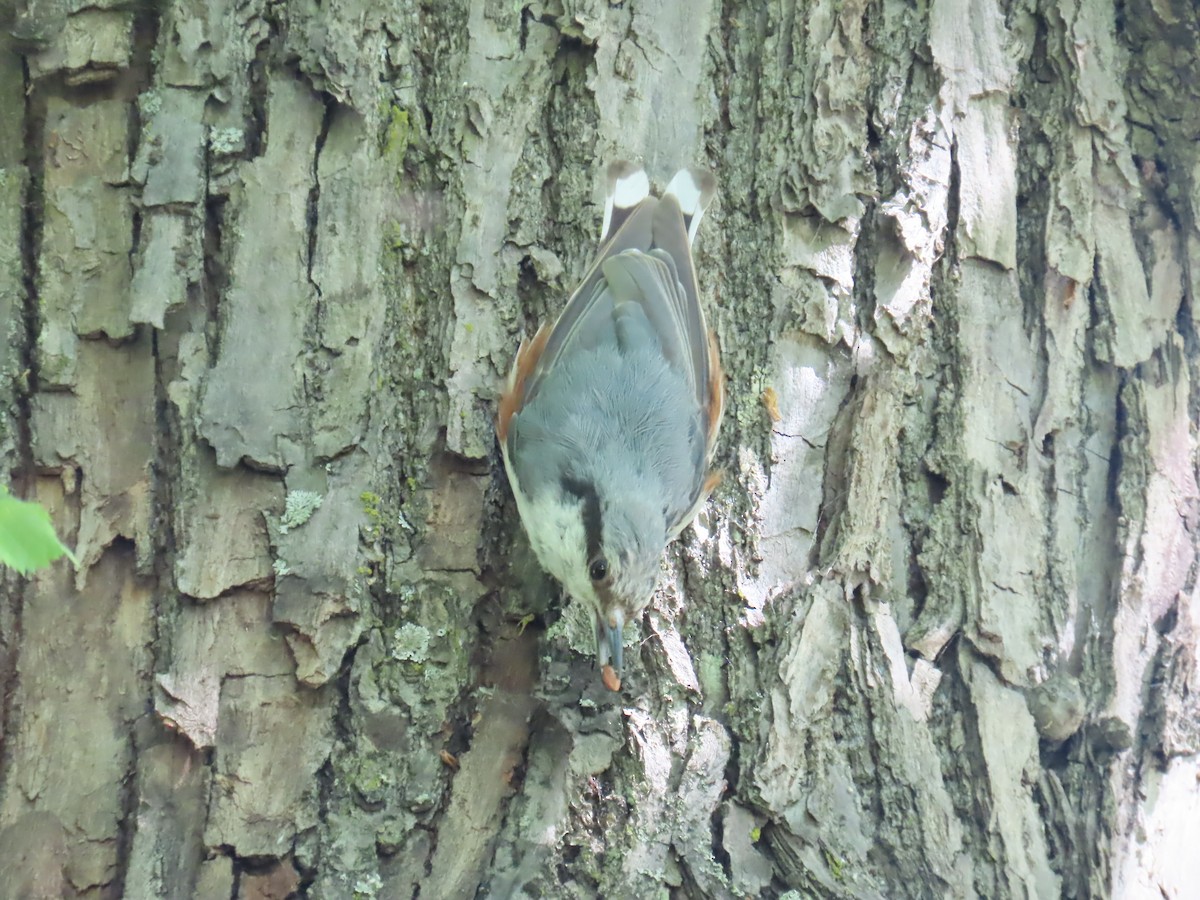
point(608, 421)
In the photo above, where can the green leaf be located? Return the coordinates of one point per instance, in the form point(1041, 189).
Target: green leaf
point(27, 539)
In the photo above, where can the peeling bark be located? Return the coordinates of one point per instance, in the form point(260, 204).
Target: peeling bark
point(262, 268)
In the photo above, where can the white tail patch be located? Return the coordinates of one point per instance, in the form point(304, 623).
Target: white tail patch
point(694, 189)
point(627, 187)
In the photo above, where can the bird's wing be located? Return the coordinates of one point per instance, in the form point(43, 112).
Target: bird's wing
point(641, 287)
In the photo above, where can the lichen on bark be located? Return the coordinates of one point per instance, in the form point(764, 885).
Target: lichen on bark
point(263, 268)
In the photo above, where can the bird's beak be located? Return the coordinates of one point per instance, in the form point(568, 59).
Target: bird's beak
point(610, 642)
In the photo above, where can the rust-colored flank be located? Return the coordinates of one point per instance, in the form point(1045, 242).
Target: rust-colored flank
point(513, 397)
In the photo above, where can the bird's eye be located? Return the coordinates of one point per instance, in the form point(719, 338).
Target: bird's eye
point(598, 570)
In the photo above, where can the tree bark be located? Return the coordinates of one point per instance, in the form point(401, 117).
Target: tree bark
point(264, 267)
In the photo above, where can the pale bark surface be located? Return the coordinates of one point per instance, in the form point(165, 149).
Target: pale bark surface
point(262, 269)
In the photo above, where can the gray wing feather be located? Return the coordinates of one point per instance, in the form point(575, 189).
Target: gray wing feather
point(648, 283)
point(576, 318)
point(647, 262)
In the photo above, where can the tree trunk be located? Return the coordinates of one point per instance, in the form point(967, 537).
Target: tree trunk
point(264, 266)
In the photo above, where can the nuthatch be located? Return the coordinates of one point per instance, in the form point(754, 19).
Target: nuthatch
point(609, 418)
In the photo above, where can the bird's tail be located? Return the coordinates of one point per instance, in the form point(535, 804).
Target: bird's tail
point(694, 188)
point(627, 187)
